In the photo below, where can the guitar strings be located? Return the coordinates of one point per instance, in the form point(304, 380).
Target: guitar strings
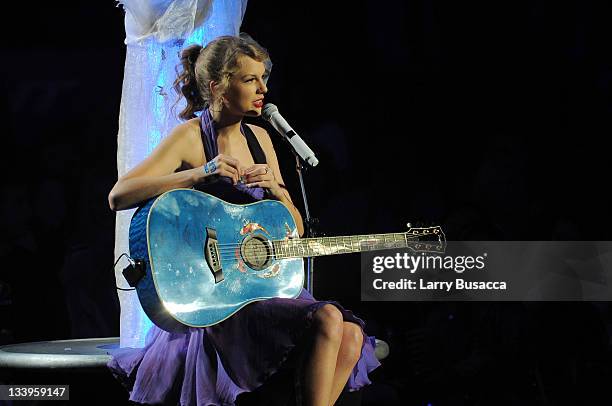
point(299, 250)
point(229, 256)
point(304, 240)
point(231, 248)
point(297, 253)
point(302, 247)
point(301, 242)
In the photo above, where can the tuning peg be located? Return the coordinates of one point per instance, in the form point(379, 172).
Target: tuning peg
point(409, 225)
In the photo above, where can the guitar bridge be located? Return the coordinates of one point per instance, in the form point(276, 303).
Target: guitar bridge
point(211, 253)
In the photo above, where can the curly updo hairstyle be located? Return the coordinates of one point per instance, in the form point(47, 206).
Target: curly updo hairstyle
point(217, 61)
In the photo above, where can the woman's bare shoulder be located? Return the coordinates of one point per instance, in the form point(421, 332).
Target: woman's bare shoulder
point(256, 128)
point(190, 128)
point(189, 132)
point(184, 132)
point(262, 135)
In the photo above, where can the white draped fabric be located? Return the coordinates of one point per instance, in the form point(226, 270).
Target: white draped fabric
point(156, 30)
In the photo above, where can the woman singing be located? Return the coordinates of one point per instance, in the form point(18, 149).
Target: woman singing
point(217, 153)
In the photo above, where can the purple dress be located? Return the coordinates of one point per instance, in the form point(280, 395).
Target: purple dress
point(213, 365)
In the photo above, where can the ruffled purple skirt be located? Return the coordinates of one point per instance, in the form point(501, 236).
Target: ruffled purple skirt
point(213, 365)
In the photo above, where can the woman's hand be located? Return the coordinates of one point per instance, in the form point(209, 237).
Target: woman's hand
point(262, 175)
point(221, 165)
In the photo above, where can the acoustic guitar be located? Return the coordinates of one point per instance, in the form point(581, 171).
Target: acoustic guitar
point(204, 258)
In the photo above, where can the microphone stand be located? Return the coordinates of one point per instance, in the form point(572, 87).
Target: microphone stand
point(309, 222)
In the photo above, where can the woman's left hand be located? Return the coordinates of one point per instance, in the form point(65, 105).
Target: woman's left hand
point(262, 175)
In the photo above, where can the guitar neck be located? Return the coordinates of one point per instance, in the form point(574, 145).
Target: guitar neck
point(314, 247)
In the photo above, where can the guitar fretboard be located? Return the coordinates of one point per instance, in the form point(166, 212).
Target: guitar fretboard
point(313, 247)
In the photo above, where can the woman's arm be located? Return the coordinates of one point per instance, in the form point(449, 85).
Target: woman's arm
point(155, 175)
point(128, 193)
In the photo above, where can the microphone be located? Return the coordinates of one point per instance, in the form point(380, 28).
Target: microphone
point(270, 113)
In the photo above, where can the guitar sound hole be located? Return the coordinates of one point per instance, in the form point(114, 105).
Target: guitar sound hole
point(256, 252)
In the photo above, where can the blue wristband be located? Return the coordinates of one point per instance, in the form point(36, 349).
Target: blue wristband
point(210, 167)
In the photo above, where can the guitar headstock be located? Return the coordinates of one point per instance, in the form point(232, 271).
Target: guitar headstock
point(426, 239)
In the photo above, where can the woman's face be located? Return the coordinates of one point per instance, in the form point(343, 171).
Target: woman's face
point(247, 87)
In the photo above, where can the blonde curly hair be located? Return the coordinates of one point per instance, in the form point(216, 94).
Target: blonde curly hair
point(217, 62)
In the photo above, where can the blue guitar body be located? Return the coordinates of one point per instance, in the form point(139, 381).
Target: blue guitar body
point(207, 258)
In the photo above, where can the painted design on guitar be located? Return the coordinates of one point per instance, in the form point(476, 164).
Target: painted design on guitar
point(271, 273)
point(250, 227)
point(289, 232)
point(239, 261)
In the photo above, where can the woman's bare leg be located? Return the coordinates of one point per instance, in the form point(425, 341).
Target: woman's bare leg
point(320, 363)
point(348, 355)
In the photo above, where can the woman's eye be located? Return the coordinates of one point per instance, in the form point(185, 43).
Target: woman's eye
point(250, 80)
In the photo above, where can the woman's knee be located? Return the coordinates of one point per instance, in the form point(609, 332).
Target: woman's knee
point(352, 341)
point(328, 322)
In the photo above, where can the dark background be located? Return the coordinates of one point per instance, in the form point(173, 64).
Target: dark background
point(489, 119)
